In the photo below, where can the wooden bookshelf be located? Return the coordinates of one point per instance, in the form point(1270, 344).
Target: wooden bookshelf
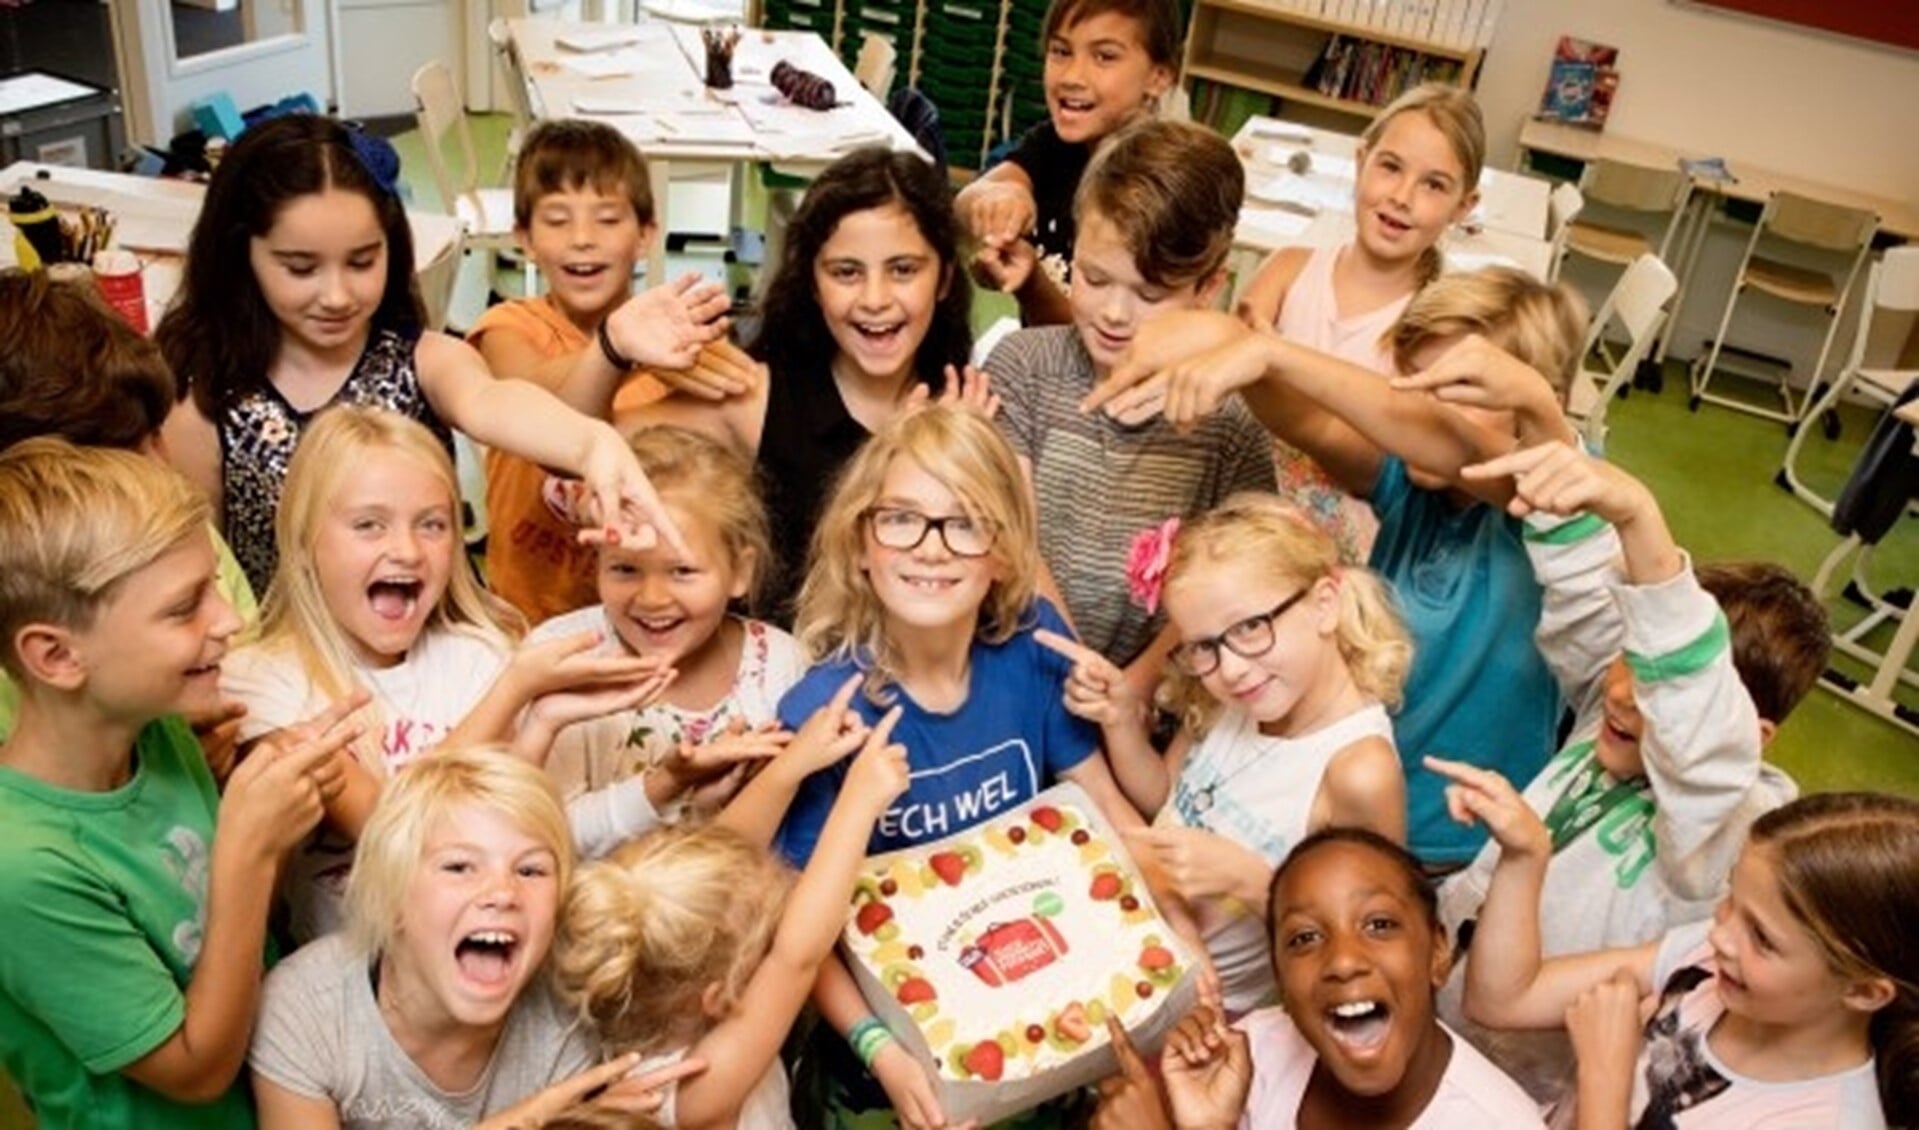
point(1258, 46)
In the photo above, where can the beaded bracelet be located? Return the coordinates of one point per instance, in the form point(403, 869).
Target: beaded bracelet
point(613, 356)
point(867, 1038)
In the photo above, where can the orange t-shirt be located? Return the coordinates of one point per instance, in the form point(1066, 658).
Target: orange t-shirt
point(534, 559)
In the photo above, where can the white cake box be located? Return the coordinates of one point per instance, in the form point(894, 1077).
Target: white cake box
point(1023, 932)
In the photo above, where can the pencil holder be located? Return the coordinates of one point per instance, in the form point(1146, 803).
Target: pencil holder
point(719, 57)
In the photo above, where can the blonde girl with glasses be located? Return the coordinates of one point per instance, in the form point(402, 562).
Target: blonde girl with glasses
point(1286, 666)
point(920, 601)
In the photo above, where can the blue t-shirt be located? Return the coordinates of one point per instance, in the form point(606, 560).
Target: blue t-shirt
point(1478, 690)
point(1007, 743)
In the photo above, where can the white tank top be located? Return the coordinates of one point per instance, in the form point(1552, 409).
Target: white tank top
point(1257, 791)
point(1310, 316)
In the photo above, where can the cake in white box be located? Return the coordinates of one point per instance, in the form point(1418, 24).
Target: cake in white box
point(1007, 946)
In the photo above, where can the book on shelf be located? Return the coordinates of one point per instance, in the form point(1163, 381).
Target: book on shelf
point(1359, 70)
point(1580, 84)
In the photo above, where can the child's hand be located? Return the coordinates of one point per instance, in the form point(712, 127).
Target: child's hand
point(1605, 1024)
point(997, 213)
point(617, 1094)
point(278, 792)
point(556, 710)
point(664, 327)
point(911, 1092)
point(1131, 1100)
point(1182, 365)
point(1096, 690)
point(965, 388)
point(693, 766)
point(830, 735)
point(880, 772)
point(721, 370)
point(1208, 1068)
point(571, 662)
point(1007, 267)
point(622, 506)
point(1199, 864)
point(218, 731)
point(1481, 796)
point(1556, 478)
point(1477, 372)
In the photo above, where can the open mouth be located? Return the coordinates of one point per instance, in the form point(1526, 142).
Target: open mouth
point(485, 957)
point(394, 600)
point(1075, 105)
point(203, 670)
point(583, 270)
point(880, 334)
point(657, 625)
point(1393, 225)
point(1359, 1026)
point(930, 584)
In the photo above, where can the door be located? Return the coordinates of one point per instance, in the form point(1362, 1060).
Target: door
point(175, 52)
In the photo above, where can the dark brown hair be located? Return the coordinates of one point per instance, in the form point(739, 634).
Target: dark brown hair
point(1161, 30)
point(1780, 636)
point(1848, 869)
point(220, 337)
point(73, 368)
point(1422, 889)
point(569, 154)
point(1173, 190)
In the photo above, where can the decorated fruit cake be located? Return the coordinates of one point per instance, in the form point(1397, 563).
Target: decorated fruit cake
point(1009, 944)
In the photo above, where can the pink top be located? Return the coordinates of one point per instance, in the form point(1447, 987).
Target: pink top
point(1310, 317)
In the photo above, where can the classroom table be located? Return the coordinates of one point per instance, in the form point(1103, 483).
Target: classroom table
point(1752, 184)
point(155, 216)
point(1285, 207)
point(644, 79)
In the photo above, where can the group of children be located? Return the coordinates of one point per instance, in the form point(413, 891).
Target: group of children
point(592, 873)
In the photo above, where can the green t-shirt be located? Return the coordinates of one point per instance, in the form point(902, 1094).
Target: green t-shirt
point(228, 578)
point(103, 900)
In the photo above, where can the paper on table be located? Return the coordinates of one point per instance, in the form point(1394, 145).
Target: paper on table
point(614, 65)
point(1266, 228)
point(695, 11)
point(145, 223)
point(1310, 194)
point(657, 102)
point(607, 38)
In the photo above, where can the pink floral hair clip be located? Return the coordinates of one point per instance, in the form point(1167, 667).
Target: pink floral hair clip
point(1146, 563)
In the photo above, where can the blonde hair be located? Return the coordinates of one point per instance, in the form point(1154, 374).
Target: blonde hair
point(1262, 531)
point(295, 615)
point(1541, 323)
point(394, 840)
point(839, 615)
point(75, 522)
point(1454, 112)
point(708, 480)
point(646, 930)
point(1848, 870)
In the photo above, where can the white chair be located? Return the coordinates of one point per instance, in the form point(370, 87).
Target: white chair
point(1886, 321)
point(1636, 194)
point(486, 213)
point(1562, 206)
point(874, 68)
point(436, 281)
point(1637, 305)
point(1810, 224)
point(519, 102)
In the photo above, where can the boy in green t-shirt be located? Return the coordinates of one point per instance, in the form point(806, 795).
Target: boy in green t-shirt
point(134, 933)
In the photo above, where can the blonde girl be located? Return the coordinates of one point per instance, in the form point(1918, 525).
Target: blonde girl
point(433, 1007)
point(1286, 665)
point(921, 592)
point(298, 294)
point(1796, 1005)
point(1417, 174)
point(697, 941)
point(374, 593)
point(677, 609)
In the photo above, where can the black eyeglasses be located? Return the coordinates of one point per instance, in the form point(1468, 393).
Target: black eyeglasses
point(963, 536)
point(1248, 639)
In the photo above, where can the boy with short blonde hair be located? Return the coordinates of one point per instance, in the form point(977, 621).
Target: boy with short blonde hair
point(583, 211)
point(135, 932)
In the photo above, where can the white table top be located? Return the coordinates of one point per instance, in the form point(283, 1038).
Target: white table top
point(155, 217)
point(1284, 208)
point(645, 80)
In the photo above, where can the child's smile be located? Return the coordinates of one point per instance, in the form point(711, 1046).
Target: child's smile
point(1410, 187)
point(928, 585)
point(384, 554)
point(586, 243)
point(669, 607)
point(1358, 964)
point(878, 282)
point(1098, 74)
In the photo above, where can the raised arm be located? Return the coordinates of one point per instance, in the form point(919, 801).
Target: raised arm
point(1508, 985)
point(1100, 693)
point(830, 734)
point(741, 1047)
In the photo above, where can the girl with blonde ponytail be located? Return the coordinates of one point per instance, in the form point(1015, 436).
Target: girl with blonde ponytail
point(1286, 666)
